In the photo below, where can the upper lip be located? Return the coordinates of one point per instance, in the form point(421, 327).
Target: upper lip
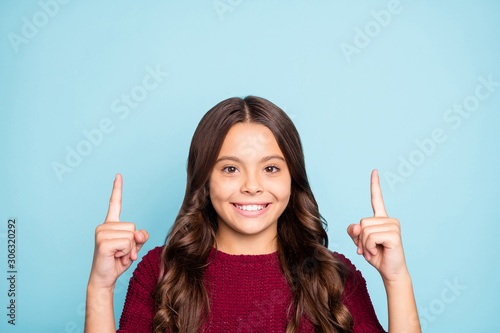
point(250, 203)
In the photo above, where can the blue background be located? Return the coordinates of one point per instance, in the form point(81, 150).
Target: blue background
point(355, 110)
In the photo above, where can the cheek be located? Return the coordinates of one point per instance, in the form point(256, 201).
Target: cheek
point(286, 196)
point(220, 190)
point(282, 190)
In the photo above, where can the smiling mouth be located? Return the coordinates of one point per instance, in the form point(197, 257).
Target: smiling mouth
point(252, 207)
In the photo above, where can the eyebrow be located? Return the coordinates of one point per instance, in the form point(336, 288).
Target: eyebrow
point(236, 159)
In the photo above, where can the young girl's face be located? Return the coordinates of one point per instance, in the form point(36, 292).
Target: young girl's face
point(250, 187)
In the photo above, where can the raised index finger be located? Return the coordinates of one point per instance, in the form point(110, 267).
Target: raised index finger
point(376, 193)
point(115, 203)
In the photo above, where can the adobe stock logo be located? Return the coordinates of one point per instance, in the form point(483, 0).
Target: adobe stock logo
point(454, 116)
point(121, 106)
point(223, 6)
point(438, 305)
point(31, 27)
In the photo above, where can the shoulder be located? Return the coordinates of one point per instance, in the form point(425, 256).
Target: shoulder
point(153, 254)
point(148, 268)
point(344, 260)
point(139, 309)
point(353, 277)
point(356, 298)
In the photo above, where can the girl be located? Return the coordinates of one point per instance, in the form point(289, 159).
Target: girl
point(248, 251)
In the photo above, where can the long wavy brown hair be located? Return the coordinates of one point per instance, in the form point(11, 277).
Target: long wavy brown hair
point(316, 278)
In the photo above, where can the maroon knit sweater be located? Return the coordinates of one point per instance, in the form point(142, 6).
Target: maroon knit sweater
point(248, 293)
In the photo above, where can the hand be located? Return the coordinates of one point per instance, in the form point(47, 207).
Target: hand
point(116, 243)
point(378, 238)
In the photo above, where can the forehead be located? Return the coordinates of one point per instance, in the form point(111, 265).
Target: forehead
point(249, 139)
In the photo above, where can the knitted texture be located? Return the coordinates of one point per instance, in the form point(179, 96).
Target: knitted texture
point(248, 293)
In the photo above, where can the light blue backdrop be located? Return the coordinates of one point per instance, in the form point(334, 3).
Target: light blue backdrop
point(408, 87)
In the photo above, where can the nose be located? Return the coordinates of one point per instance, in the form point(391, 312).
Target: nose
point(252, 184)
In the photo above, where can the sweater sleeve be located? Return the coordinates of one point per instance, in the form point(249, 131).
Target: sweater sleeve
point(139, 310)
point(357, 300)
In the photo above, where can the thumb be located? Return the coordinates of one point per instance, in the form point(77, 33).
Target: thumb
point(141, 237)
point(354, 230)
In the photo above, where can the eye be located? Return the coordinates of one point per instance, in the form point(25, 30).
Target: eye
point(230, 169)
point(270, 168)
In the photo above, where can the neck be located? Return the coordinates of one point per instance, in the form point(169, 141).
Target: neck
point(245, 244)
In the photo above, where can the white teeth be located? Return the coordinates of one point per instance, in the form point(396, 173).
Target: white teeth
point(251, 207)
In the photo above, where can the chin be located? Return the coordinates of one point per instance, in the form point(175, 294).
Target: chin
point(250, 226)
